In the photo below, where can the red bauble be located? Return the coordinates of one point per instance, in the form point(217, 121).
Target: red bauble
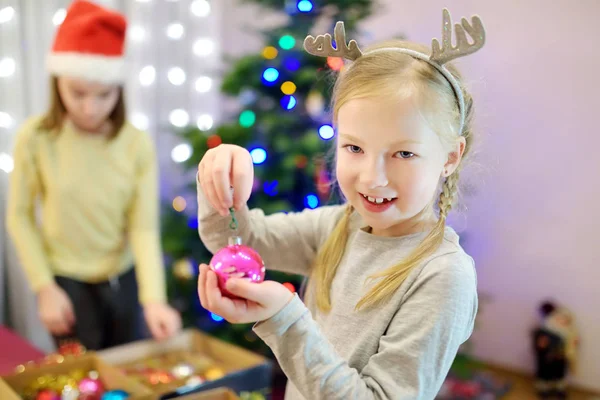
point(238, 261)
point(213, 141)
point(47, 394)
point(71, 348)
point(335, 63)
point(290, 287)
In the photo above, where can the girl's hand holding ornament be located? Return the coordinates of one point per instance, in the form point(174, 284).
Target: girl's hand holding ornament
point(232, 286)
point(253, 302)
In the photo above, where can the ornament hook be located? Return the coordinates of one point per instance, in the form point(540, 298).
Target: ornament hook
point(233, 225)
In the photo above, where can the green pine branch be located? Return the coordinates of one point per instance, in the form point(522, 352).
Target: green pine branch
point(290, 138)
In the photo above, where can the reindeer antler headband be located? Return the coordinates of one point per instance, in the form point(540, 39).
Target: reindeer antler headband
point(323, 46)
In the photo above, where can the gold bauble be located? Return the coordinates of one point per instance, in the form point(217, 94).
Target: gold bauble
point(183, 269)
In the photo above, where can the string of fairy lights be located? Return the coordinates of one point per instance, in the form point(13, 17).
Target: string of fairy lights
point(148, 72)
point(204, 48)
point(271, 76)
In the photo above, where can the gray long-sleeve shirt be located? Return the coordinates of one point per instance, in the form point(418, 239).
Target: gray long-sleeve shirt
point(402, 349)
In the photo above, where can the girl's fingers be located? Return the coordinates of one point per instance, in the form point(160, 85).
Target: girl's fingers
point(208, 187)
point(202, 285)
point(242, 180)
point(213, 293)
point(221, 170)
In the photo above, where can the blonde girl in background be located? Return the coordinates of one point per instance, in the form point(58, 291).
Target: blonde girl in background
point(96, 177)
point(392, 294)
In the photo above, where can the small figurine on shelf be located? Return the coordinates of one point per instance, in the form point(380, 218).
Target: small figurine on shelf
point(555, 344)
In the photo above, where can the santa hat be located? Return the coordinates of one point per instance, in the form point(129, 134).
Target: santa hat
point(89, 44)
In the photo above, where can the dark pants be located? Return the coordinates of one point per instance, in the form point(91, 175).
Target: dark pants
point(107, 314)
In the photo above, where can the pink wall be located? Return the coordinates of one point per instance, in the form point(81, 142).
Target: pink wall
point(531, 222)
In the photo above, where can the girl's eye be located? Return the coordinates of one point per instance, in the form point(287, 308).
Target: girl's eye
point(353, 149)
point(405, 154)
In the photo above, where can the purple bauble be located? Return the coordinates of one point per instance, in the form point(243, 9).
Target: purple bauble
point(238, 261)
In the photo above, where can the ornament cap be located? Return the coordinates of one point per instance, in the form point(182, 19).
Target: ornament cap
point(235, 240)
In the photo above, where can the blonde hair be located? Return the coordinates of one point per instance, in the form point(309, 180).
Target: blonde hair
point(54, 117)
point(394, 74)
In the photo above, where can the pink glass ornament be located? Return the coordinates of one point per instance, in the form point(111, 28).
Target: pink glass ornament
point(91, 386)
point(238, 261)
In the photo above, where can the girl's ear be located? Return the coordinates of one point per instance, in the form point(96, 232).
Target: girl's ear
point(454, 157)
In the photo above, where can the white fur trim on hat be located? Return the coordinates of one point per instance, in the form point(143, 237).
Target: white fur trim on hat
point(101, 69)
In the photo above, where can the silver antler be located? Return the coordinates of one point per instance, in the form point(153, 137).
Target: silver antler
point(463, 47)
point(323, 46)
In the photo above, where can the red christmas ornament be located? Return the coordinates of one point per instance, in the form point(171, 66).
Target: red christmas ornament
point(290, 287)
point(160, 377)
point(238, 261)
point(466, 389)
point(335, 63)
point(301, 161)
point(71, 348)
point(47, 394)
point(213, 141)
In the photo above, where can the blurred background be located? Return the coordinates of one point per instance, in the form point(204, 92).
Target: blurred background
point(205, 72)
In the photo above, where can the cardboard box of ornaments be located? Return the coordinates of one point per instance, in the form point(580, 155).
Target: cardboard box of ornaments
point(15, 391)
point(189, 364)
point(212, 394)
point(38, 380)
point(15, 387)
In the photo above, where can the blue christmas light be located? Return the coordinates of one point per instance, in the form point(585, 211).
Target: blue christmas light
point(311, 201)
point(258, 155)
point(305, 6)
point(270, 74)
point(288, 102)
point(215, 317)
point(326, 132)
point(270, 188)
point(291, 63)
point(193, 223)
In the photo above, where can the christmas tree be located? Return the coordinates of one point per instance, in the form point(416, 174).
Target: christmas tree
point(284, 122)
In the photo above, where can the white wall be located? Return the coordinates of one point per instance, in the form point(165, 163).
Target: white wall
point(531, 221)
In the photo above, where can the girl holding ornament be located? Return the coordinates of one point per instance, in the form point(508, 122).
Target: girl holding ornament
point(96, 177)
point(391, 293)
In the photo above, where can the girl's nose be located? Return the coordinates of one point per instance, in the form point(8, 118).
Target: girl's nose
point(374, 174)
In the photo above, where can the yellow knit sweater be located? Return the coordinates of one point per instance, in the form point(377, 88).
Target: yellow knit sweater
point(99, 199)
